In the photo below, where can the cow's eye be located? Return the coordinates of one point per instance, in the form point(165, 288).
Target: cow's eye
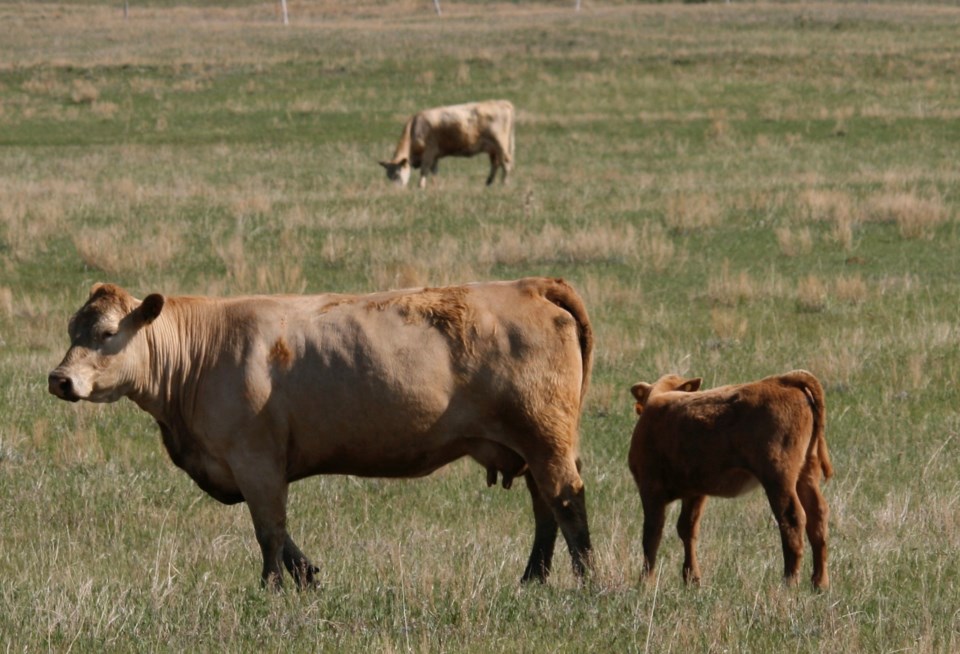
point(107, 335)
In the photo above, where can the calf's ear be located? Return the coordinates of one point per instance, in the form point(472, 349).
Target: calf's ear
point(691, 385)
point(149, 309)
point(641, 391)
point(385, 164)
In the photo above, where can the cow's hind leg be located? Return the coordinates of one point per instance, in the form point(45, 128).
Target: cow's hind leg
point(298, 565)
point(688, 528)
point(495, 160)
point(791, 518)
point(544, 537)
point(562, 489)
point(808, 489)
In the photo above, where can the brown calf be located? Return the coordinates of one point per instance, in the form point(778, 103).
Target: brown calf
point(724, 442)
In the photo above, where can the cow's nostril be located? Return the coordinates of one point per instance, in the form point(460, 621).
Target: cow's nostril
point(60, 386)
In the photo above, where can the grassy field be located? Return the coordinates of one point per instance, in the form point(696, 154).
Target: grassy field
point(736, 190)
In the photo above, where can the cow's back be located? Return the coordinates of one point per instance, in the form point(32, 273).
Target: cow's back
point(391, 384)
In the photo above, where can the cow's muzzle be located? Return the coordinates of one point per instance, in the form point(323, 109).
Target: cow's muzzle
point(62, 386)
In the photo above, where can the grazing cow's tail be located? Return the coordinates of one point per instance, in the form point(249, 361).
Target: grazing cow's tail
point(814, 392)
point(564, 296)
point(511, 119)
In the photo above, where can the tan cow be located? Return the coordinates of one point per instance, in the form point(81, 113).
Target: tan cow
point(724, 442)
point(461, 130)
point(252, 393)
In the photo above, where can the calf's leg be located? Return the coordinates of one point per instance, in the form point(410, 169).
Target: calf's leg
point(654, 515)
point(688, 528)
point(791, 518)
point(808, 489)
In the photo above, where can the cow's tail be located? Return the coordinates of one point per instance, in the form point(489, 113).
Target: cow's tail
point(564, 296)
point(511, 120)
point(811, 387)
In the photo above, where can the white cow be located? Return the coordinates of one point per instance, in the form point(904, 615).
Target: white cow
point(461, 130)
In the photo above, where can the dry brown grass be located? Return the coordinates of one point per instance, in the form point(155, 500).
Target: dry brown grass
point(692, 211)
point(812, 294)
point(793, 243)
point(602, 241)
point(850, 289)
point(728, 325)
point(84, 92)
point(730, 289)
point(916, 216)
point(115, 250)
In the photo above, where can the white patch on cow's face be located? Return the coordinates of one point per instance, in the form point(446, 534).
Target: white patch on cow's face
point(103, 358)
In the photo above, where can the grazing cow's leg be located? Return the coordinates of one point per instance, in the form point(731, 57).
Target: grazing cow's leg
point(429, 162)
point(298, 565)
point(791, 518)
point(688, 528)
point(808, 489)
point(654, 515)
point(562, 489)
point(494, 165)
point(544, 538)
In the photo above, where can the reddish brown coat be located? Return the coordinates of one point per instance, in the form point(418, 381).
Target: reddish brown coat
point(690, 444)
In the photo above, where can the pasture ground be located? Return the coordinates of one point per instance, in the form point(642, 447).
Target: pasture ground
point(736, 189)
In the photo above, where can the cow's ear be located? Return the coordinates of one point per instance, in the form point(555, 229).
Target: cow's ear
point(96, 287)
point(691, 385)
point(149, 309)
point(385, 164)
point(641, 391)
point(401, 163)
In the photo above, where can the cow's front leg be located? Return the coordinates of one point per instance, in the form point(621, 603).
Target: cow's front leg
point(298, 565)
point(429, 162)
point(265, 491)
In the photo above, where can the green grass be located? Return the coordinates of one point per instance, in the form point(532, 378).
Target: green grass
point(736, 190)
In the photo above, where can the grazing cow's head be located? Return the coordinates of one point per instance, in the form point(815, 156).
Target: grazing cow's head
point(102, 362)
point(398, 173)
point(642, 391)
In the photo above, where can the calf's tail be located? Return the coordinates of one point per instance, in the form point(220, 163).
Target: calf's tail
point(812, 388)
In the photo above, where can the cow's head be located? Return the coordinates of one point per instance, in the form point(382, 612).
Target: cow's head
point(397, 172)
point(105, 351)
point(642, 391)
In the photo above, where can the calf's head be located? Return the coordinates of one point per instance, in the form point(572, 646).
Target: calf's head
point(105, 351)
point(398, 173)
point(642, 391)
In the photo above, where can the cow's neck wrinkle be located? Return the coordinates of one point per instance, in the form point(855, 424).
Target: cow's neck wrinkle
point(179, 343)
